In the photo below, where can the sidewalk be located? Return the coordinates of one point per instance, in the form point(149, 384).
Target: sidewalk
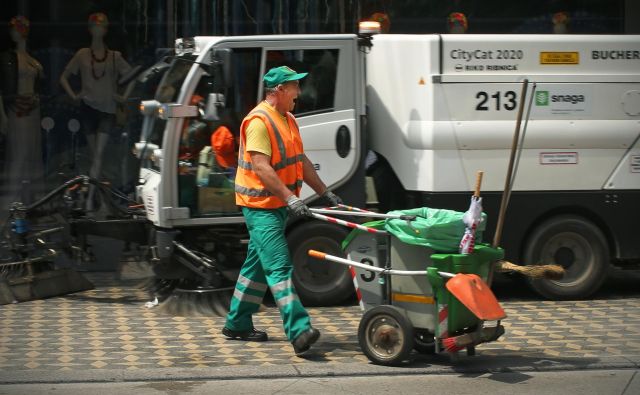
point(108, 335)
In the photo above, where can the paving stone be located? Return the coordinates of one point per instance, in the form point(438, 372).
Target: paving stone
point(108, 328)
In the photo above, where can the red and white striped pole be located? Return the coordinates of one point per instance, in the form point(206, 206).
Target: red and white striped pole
point(347, 223)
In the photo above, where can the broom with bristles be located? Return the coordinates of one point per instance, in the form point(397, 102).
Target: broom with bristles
point(551, 272)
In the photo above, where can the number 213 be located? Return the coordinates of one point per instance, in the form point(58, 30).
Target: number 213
point(509, 98)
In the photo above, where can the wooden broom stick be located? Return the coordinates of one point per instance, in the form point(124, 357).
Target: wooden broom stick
point(538, 271)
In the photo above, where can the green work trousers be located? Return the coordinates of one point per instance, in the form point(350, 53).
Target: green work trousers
point(268, 264)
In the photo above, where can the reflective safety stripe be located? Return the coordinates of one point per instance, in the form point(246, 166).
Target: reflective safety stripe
point(292, 160)
point(243, 164)
point(243, 297)
point(258, 192)
point(281, 286)
point(252, 284)
point(283, 151)
point(286, 300)
point(284, 161)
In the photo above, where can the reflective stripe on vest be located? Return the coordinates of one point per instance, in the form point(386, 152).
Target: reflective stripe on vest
point(250, 191)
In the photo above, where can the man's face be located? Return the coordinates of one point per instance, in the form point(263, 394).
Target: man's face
point(289, 93)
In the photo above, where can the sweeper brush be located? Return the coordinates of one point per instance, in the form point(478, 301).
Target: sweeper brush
point(183, 298)
point(27, 271)
point(191, 272)
point(32, 236)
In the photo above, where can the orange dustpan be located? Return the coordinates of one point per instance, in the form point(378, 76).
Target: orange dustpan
point(476, 296)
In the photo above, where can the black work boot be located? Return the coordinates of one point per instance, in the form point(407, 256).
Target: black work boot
point(303, 342)
point(252, 335)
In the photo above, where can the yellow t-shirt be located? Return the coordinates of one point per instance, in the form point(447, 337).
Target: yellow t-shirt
point(258, 136)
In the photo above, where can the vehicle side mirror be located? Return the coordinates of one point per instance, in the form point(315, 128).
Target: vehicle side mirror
point(220, 69)
point(214, 100)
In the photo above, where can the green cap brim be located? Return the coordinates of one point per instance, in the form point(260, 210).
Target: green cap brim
point(293, 77)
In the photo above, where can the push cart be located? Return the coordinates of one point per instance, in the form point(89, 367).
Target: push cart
point(414, 297)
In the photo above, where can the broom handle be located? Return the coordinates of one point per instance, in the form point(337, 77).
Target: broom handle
point(507, 182)
point(479, 175)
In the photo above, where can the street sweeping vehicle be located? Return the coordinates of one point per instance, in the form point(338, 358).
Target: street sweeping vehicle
point(430, 110)
point(409, 119)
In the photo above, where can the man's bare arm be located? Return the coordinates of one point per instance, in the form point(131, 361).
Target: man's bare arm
point(311, 177)
point(262, 167)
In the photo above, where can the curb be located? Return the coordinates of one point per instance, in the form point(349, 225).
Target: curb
point(477, 365)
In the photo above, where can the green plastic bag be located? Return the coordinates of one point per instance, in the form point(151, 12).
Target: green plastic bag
point(438, 229)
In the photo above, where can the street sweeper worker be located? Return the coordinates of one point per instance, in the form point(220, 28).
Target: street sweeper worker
point(272, 166)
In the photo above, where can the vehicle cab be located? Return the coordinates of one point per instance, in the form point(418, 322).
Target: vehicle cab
point(214, 82)
point(190, 139)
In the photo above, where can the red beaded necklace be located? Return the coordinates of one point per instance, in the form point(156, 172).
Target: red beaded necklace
point(94, 59)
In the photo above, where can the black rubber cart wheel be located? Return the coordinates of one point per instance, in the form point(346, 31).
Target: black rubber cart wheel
point(385, 335)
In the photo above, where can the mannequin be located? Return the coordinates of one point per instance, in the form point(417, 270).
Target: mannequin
point(100, 68)
point(457, 23)
point(560, 22)
point(20, 116)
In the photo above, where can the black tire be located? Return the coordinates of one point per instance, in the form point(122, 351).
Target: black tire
point(423, 342)
point(575, 244)
point(319, 282)
point(385, 335)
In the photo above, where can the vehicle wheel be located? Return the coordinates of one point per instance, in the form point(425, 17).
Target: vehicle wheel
point(385, 335)
point(575, 244)
point(423, 342)
point(319, 282)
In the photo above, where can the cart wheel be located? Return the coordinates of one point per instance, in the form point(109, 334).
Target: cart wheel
point(385, 335)
point(423, 342)
point(471, 351)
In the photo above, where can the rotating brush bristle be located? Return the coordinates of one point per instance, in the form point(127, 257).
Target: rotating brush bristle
point(450, 345)
point(176, 299)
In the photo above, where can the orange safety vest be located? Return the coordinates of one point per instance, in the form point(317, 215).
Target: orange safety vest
point(286, 159)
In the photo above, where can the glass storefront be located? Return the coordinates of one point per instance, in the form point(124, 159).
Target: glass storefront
point(72, 73)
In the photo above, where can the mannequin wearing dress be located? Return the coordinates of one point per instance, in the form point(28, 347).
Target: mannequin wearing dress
point(560, 22)
point(20, 118)
point(99, 68)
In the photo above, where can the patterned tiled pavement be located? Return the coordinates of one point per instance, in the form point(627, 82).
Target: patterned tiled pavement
point(110, 328)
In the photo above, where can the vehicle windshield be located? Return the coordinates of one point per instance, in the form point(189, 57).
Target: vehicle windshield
point(167, 92)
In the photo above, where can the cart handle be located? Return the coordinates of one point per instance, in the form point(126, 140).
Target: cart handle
point(346, 223)
point(349, 208)
point(343, 261)
point(404, 217)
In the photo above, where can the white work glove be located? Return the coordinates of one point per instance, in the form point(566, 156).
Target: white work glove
point(297, 207)
point(332, 198)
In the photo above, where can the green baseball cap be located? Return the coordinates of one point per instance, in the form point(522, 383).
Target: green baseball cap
point(280, 75)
